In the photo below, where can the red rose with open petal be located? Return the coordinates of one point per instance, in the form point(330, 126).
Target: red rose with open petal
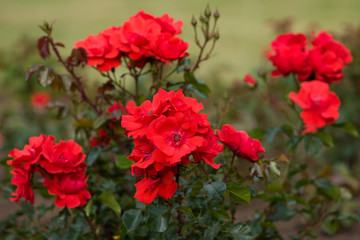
point(63, 157)
point(210, 149)
point(240, 143)
point(70, 189)
point(169, 48)
point(31, 152)
point(290, 56)
point(99, 51)
point(22, 179)
point(320, 105)
point(135, 35)
point(328, 57)
point(148, 188)
point(174, 136)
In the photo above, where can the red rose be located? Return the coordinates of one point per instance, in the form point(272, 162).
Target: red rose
point(210, 149)
point(290, 56)
point(249, 80)
point(174, 136)
point(99, 51)
point(168, 48)
point(40, 99)
point(22, 179)
point(240, 143)
point(148, 188)
point(166, 131)
point(320, 105)
point(70, 189)
point(63, 157)
point(328, 58)
point(31, 152)
point(135, 35)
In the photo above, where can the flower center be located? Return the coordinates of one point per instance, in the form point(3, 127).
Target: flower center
point(177, 137)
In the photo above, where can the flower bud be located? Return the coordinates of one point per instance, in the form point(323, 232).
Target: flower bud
point(216, 35)
point(216, 14)
point(193, 21)
point(207, 12)
point(202, 19)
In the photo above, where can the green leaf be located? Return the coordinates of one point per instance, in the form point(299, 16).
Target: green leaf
point(88, 207)
point(257, 133)
point(196, 83)
point(312, 144)
point(28, 209)
point(348, 127)
point(330, 225)
point(214, 190)
point(211, 232)
point(131, 219)
point(282, 212)
point(187, 210)
point(327, 189)
point(196, 187)
point(123, 162)
point(109, 200)
point(274, 187)
point(239, 193)
point(92, 155)
point(159, 218)
point(99, 121)
point(325, 138)
point(241, 231)
point(271, 133)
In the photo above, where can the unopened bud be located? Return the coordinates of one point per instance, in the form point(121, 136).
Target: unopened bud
point(216, 14)
point(193, 21)
point(202, 19)
point(216, 35)
point(207, 12)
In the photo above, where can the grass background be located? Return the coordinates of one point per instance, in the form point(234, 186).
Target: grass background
point(244, 24)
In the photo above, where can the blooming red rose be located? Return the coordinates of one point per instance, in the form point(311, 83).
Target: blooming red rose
point(31, 152)
point(328, 57)
point(240, 143)
point(320, 105)
point(174, 136)
point(169, 48)
point(148, 188)
point(166, 131)
point(291, 56)
point(22, 179)
point(99, 51)
point(63, 157)
point(135, 35)
point(210, 149)
point(40, 99)
point(70, 189)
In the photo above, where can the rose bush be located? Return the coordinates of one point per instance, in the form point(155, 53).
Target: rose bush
point(150, 161)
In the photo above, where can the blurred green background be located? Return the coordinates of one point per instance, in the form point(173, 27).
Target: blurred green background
point(244, 25)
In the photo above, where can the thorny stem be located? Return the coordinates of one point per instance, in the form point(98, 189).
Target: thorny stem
point(77, 79)
point(207, 37)
point(179, 213)
point(231, 164)
point(90, 224)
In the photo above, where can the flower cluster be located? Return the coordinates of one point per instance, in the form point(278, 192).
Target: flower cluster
point(320, 105)
point(166, 132)
point(240, 143)
point(142, 37)
point(324, 61)
point(60, 164)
